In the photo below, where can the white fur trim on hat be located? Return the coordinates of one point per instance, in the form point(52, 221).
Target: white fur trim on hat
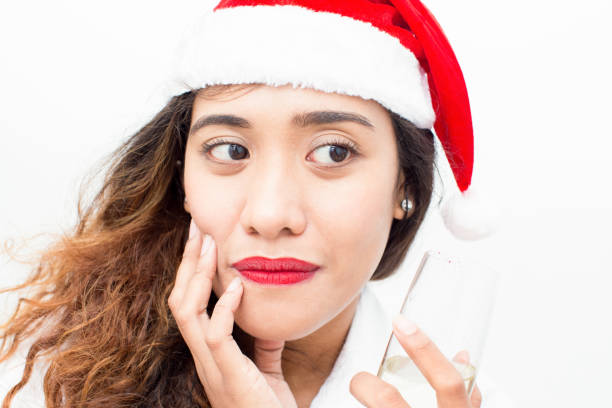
point(280, 45)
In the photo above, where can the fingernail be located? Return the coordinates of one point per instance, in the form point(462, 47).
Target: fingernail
point(192, 229)
point(234, 285)
point(463, 356)
point(207, 243)
point(404, 325)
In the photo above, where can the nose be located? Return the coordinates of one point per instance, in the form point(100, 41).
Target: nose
point(273, 203)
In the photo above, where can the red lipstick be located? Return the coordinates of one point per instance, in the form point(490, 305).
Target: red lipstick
point(280, 271)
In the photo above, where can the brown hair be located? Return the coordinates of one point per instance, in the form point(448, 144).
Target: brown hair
point(102, 290)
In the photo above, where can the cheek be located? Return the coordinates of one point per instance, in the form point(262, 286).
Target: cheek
point(355, 218)
point(353, 222)
point(213, 204)
point(211, 200)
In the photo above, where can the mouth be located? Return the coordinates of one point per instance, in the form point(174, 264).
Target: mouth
point(280, 271)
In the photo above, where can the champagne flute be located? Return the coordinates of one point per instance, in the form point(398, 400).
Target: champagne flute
point(451, 300)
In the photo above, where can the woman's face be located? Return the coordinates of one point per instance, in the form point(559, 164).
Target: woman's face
point(280, 185)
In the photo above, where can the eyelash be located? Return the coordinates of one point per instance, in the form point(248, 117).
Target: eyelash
point(207, 147)
point(350, 146)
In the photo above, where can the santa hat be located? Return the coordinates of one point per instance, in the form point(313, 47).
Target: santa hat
point(391, 51)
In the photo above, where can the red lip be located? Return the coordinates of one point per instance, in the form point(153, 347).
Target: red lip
point(280, 271)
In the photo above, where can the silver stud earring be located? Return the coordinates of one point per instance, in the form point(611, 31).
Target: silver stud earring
point(407, 204)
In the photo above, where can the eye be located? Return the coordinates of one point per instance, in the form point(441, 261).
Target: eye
point(225, 151)
point(334, 152)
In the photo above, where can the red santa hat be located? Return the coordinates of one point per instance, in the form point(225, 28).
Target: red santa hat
point(391, 51)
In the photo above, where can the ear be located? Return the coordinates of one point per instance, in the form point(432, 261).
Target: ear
point(398, 211)
point(402, 192)
point(186, 206)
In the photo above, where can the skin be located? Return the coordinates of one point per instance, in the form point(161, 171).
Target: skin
point(323, 211)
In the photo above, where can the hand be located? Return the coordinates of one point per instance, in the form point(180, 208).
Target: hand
point(450, 390)
point(230, 378)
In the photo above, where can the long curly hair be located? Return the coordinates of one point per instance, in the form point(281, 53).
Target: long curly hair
point(97, 312)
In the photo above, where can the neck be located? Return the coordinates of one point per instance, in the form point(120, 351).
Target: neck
point(308, 361)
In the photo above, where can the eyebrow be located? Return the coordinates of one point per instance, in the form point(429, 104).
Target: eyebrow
point(301, 120)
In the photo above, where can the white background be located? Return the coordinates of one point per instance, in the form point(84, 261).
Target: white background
point(77, 77)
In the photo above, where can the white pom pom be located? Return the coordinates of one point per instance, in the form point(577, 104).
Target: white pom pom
point(470, 216)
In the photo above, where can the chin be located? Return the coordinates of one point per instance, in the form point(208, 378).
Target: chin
point(273, 328)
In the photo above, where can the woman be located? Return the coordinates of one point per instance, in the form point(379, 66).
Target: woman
point(225, 260)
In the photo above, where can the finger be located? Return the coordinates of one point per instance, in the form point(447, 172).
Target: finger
point(223, 348)
point(439, 372)
point(373, 392)
point(476, 399)
point(190, 314)
point(187, 267)
point(197, 292)
point(267, 356)
point(199, 286)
